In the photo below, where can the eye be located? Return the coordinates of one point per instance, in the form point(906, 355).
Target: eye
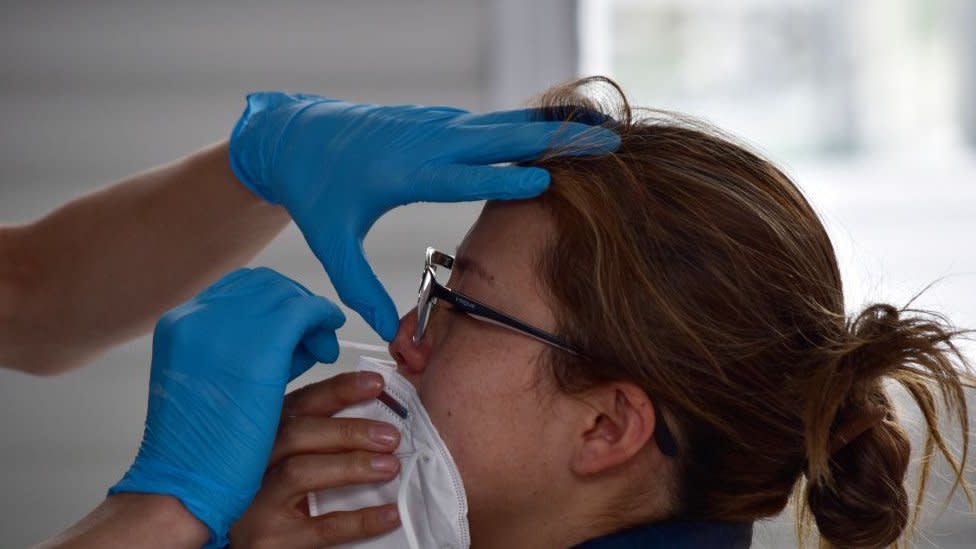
point(439, 311)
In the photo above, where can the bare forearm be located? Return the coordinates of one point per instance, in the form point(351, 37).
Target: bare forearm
point(102, 268)
point(140, 521)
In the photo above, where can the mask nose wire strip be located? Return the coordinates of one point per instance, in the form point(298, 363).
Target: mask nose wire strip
point(408, 471)
point(392, 404)
point(384, 397)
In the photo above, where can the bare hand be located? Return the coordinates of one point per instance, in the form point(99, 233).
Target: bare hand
point(314, 451)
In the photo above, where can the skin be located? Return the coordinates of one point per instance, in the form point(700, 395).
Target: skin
point(540, 468)
point(145, 521)
point(102, 268)
point(548, 483)
point(99, 270)
point(477, 380)
point(313, 452)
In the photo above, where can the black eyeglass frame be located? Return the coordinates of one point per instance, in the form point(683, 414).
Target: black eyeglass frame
point(431, 290)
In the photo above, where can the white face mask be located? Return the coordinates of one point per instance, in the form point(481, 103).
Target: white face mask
point(428, 490)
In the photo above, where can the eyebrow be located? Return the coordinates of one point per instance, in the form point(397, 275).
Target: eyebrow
point(463, 263)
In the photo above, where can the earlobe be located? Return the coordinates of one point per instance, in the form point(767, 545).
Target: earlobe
point(620, 424)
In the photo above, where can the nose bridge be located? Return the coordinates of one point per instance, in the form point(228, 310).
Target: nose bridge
point(410, 356)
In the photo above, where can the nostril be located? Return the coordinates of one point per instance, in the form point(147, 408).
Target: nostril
point(409, 356)
point(398, 357)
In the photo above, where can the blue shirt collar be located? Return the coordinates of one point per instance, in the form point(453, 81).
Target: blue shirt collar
point(709, 535)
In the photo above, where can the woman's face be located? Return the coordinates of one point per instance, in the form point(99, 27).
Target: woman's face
point(481, 383)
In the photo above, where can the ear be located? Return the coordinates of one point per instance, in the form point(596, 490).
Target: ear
point(620, 424)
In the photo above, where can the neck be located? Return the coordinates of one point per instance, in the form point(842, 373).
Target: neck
point(589, 510)
point(561, 523)
point(545, 533)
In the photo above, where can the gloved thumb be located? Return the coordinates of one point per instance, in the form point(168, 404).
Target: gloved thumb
point(323, 345)
point(359, 288)
point(309, 322)
point(319, 345)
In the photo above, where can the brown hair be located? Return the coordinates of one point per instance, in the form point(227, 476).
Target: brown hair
point(693, 267)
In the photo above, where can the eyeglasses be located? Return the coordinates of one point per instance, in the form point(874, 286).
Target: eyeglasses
point(431, 291)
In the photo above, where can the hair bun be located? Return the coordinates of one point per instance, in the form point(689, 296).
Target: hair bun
point(857, 454)
point(855, 425)
point(864, 503)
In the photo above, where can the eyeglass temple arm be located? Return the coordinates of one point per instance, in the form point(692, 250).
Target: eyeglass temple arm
point(485, 313)
point(662, 434)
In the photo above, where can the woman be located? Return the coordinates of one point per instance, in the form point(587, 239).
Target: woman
point(691, 357)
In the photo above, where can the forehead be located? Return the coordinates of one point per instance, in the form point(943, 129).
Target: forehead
point(497, 260)
point(506, 233)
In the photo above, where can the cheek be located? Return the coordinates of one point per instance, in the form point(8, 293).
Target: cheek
point(456, 398)
point(486, 408)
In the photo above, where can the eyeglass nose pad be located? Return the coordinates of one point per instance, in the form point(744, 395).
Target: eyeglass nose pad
point(423, 305)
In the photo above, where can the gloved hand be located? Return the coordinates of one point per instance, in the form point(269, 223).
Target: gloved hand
point(337, 167)
point(220, 365)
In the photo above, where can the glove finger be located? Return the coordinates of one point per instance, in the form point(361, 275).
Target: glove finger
point(299, 287)
point(253, 290)
point(319, 345)
point(323, 345)
point(460, 183)
point(360, 289)
point(523, 142)
point(518, 116)
point(302, 316)
point(301, 361)
point(227, 280)
point(269, 285)
point(447, 109)
point(537, 114)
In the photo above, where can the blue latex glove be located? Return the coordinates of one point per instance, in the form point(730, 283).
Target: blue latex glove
point(220, 365)
point(337, 167)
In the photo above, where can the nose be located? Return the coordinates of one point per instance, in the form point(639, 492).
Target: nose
point(410, 357)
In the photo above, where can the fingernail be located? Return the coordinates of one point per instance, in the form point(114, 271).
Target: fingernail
point(390, 516)
point(369, 381)
point(383, 434)
point(385, 463)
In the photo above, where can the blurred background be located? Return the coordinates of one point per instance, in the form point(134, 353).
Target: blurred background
point(869, 104)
